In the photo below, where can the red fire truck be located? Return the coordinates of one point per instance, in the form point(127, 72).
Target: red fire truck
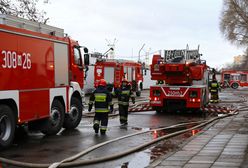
point(42, 76)
point(114, 71)
point(234, 78)
point(183, 81)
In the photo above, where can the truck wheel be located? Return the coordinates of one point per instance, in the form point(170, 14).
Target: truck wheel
point(7, 126)
point(53, 124)
point(235, 85)
point(73, 118)
point(138, 93)
point(158, 109)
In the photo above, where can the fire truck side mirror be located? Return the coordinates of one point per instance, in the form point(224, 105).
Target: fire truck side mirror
point(86, 50)
point(86, 59)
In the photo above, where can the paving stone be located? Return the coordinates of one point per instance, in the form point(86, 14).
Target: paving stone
point(210, 151)
point(236, 146)
point(217, 148)
point(168, 167)
point(190, 165)
point(234, 150)
point(203, 159)
point(173, 163)
point(184, 153)
point(232, 160)
point(215, 145)
point(232, 156)
point(208, 154)
point(233, 153)
point(227, 164)
point(179, 158)
point(224, 166)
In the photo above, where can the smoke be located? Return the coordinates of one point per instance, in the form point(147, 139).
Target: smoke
point(244, 65)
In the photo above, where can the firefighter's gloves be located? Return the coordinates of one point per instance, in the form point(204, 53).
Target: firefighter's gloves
point(90, 107)
point(133, 101)
point(111, 109)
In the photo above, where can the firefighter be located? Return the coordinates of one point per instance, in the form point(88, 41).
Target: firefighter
point(214, 88)
point(124, 93)
point(103, 100)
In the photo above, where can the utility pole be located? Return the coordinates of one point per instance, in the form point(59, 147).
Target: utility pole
point(147, 56)
point(140, 51)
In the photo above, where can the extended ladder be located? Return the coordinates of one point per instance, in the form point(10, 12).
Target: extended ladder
point(17, 22)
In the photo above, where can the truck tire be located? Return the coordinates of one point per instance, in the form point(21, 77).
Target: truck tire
point(138, 93)
point(158, 109)
point(53, 124)
point(235, 85)
point(7, 126)
point(73, 118)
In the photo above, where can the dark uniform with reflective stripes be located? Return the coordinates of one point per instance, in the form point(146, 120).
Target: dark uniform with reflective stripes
point(124, 93)
point(214, 88)
point(103, 99)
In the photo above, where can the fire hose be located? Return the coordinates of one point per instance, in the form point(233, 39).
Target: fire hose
point(69, 162)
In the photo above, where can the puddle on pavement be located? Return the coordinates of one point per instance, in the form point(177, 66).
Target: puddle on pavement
point(169, 145)
point(160, 149)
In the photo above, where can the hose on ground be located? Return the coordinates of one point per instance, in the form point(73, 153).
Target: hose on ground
point(111, 157)
point(132, 150)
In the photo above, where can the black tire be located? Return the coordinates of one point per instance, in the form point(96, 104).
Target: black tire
point(138, 93)
point(73, 118)
point(158, 109)
point(235, 85)
point(7, 126)
point(53, 124)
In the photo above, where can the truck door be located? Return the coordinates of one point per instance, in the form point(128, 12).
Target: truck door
point(77, 67)
point(129, 74)
point(134, 74)
point(243, 80)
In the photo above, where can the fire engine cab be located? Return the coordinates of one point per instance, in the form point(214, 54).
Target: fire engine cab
point(234, 78)
point(114, 71)
point(42, 76)
point(182, 81)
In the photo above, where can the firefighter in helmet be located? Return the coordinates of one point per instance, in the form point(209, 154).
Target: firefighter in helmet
point(214, 88)
point(124, 93)
point(103, 100)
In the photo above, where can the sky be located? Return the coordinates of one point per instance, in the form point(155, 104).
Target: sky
point(159, 24)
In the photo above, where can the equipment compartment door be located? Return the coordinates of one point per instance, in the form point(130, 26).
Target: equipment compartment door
point(109, 74)
point(61, 64)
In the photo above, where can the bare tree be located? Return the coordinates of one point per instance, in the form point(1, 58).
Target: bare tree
point(23, 8)
point(234, 21)
point(234, 24)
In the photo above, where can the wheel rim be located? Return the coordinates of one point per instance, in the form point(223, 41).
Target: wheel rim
point(74, 112)
point(235, 85)
point(5, 127)
point(55, 117)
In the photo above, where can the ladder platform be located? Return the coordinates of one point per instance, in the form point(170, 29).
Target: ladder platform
point(17, 22)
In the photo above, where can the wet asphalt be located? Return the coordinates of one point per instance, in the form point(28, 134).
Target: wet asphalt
point(36, 148)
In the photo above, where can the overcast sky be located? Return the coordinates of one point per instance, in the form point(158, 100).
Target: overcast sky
point(160, 24)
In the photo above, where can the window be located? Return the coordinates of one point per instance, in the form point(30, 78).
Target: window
point(227, 77)
point(235, 77)
point(77, 57)
point(243, 77)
